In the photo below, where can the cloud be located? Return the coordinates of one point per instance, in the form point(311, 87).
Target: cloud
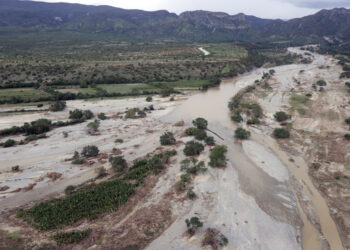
point(284, 9)
point(319, 4)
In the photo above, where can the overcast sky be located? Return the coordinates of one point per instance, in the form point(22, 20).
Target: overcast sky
point(284, 9)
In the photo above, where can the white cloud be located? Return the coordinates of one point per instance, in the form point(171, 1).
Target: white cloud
point(284, 9)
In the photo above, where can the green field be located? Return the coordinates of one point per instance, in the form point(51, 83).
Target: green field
point(26, 93)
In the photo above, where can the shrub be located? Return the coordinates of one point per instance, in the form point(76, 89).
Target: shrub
point(347, 121)
point(241, 133)
point(101, 116)
point(193, 148)
point(118, 163)
point(190, 194)
point(199, 134)
point(281, 133)
point(200, 123)
point(90, 151)
point(167, 139)
point(37, 127)
point(93, 126)
point(71, 237)
point(281, 116)
point(253, 121)
point(321, 83)
point(78, 114)
point(218, 156)
point(190, 131)
point(236, 117)
point(58, 106)
point(214, 238)
point(119, 141)
point(15, 168)
point(185, 178)
point(149, 98)
point(347, 136)
point(35, 137)
point(192, 166)
point(193, 224)
point(209, 140)
point(166, 92)
point(9, 143)
point(101, 172)
point(78, 161)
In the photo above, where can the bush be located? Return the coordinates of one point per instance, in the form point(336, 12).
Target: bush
point(167, 139)
point(119, 141)
point(218, 156)
point(214, 238)
point(281, 133)
point(192, 166)
point(90, 151)
point(78, 161)
point(190, 131)
point(40, 105)
point(93, 126)
point(347, 121)
point(185, 178)
point(78, 114)
point(321, 83)
point(193, 224)
point(35, 137)
point(242, 134)
point(190, 194)
point(118, 163)
point(347, 136)
point(37, 127)
point(281, 116)
point(236, 117)
point(149, 98)
point(199, 134)
point(9, 143)
point(58, 106)
point(200, 123)
point(15, 168)
point(193, 148)
point(101, 116)
point(71, 237)
point(209, 140)
point(69, 189)
point(253, 121)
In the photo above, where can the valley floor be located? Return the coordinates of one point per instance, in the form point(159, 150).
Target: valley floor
point(263, 199)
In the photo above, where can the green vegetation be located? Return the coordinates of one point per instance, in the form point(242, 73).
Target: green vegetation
point(214, 238)
point(199, 134)
point(118, 163)
point(192, 166)
point(347, 136)
point(58, 106)
point(281, 116)
point(218, 156)
point(15, 168)
point(193, 224)
point(78, 114)
point(90, 151)
point(281, 133)
point(134, 113)
point(193, 148)
point(101, 116)
point(71, 237)
point(298, 103)
point(200, 123)
point(93, 126)
point(9, 143)
point(77, 159)
point(88, 203)
point(190, 194)
point(209, 140)
point(242, 134)
point(149, 98)
point(35, 137)
point(167, 139)
point(321, 83)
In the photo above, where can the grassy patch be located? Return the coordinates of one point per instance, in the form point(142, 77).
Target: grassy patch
point(298, 103)
point(71, 237)
point(24, 93)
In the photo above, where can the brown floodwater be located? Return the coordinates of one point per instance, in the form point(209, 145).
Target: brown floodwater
point(212, 105)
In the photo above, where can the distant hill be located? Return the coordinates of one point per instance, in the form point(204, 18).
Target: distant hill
point(202, 26)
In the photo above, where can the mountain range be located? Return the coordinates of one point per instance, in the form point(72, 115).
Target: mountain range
point(331, 26)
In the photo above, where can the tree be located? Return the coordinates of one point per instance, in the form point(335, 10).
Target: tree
point(242, 134)
point(58, 106)
point(118, 163)
point(149, 98)
point(9, 143)
point(93, 126)
point(101, 116)
point(199, 134)
point(37, 127)
point(209, 140)
point(218, 156)
point(90, 151)
point(167, 139)
point(200, 123)
point(193, 224)
point(193, 148)
point(281, 133)
point(321, 83)
point(281, 116)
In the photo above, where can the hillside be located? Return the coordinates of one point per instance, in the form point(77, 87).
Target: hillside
point(19, 17)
